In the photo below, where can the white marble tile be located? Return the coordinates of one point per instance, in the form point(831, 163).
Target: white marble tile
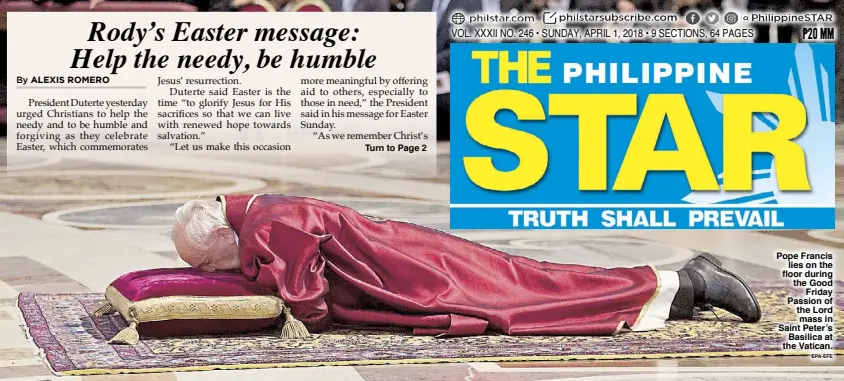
point(667, 367)
point(7, 292)
point(21, 362)
point(11, 314)
point(701, 375)
point(93, 261)
point(331, 373)
point(398, 187)
point(151, 240)
point(839, 156)
point(12, 336)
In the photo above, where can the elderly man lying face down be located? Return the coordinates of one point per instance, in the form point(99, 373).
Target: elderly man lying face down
point(331, 264)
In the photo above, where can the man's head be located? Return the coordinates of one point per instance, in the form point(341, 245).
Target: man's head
point(203, 238)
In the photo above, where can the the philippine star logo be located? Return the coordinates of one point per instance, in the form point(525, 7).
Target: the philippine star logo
point(814, 92)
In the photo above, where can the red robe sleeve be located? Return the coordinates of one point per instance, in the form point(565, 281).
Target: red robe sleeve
point(282, 257)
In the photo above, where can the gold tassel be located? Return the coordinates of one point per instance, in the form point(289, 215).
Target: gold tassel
point(293, 328)
point(105, 308)
point(128, 335)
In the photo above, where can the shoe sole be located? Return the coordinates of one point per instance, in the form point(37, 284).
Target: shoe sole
point(708, 258)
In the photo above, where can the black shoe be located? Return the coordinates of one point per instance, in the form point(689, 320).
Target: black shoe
point(707, 256)
point(717, 287)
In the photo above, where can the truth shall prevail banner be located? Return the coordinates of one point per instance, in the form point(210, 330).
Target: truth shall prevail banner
point(642, 136)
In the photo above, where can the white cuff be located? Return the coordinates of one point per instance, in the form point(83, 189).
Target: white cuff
point(655, 313)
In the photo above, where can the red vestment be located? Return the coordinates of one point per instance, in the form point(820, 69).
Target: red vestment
point(331, 264)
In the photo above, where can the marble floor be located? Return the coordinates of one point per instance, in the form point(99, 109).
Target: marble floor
point(74, 226)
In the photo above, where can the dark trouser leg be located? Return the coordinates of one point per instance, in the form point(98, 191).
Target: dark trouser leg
point(763, 33)
point(785, 34)
point(682, 307)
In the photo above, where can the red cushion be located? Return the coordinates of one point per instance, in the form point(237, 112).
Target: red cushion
point(185, 281)
point(156, 283)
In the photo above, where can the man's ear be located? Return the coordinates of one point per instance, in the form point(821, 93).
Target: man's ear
point(226, 234)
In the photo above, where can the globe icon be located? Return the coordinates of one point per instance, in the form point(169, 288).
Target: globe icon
point(458, 18)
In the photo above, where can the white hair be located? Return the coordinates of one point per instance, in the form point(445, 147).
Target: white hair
point(200, 219)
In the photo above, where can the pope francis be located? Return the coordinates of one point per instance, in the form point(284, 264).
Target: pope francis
point(331, 264)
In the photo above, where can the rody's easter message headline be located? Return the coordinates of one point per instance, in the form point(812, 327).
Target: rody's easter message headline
point(142, 37)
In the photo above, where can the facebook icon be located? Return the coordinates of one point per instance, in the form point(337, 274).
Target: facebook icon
point(692, 18)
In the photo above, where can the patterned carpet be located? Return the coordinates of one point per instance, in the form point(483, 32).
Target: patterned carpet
point(73, 342)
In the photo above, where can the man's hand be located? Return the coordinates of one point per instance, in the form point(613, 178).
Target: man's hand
point(94, 3)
